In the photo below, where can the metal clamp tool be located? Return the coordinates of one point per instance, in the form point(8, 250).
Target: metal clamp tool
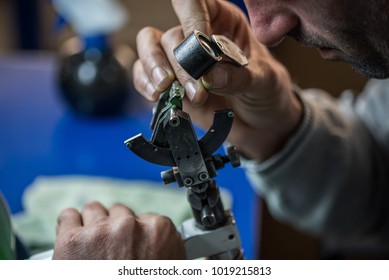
point(212, 232)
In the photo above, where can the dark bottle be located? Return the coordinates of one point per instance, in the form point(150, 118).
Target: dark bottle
point(92, 81)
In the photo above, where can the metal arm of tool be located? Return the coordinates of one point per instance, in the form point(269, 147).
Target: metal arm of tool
point(212, 233)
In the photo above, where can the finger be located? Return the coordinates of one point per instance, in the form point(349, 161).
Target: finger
point(213, 17)
point(194, 89)
point(209, 16)
point(228, 79)
point(192, 15)
point(68, 219)
point(147, 217)
point(142, 82)
point(161, 230)
point(260, 79)
point(120, 210)
point(93, 212)
point(155, 64)
point(155, 222)
point(157, 225)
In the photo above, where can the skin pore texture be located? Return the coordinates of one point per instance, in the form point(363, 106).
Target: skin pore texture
point(344, 30)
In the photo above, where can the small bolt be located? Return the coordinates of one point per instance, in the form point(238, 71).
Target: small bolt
point(188, 181)
point(231, 114)
point(203, 176)
point(209, 221)
point(208, 218)
point(174, 121)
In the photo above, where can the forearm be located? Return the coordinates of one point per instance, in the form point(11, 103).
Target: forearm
point(325, 180)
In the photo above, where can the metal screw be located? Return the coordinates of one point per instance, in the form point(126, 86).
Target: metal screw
point(188, 181)
point(209, 221)
point(208, 217)
point(203, 176)
point(174, 120)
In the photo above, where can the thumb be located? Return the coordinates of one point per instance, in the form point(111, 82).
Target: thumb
point(227, 79)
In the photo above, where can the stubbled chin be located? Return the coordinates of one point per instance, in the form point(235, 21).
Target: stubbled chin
point(329, 54)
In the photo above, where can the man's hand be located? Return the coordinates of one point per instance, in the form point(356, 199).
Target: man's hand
point(115, 233)
point(266, 110)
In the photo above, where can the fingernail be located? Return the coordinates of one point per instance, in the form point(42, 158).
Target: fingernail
point(150, 91)
point(216, 79)
point(190, 90)
point(159, 75)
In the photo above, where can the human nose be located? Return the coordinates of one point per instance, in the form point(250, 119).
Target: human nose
point(271, 23)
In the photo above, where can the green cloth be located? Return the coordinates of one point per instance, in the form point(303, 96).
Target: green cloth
point(47, 196)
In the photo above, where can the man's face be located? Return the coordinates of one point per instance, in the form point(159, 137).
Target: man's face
point(355, 31)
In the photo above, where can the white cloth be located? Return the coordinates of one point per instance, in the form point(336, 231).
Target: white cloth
point(46, 197)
